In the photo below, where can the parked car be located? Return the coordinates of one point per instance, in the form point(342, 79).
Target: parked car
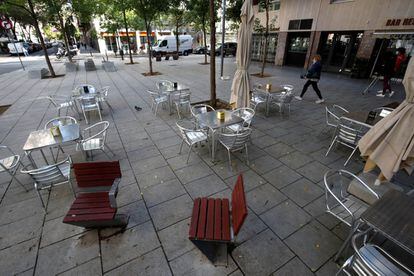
point(19, 47)
point(230, 48)
point(168, 44)
point(200, 50)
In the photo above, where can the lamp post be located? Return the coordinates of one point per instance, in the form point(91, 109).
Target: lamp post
point(223, 31)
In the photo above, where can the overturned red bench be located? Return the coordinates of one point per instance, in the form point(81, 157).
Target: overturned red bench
point(214, 223)
point(95, 205)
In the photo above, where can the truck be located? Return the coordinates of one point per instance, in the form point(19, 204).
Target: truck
point(168, 45)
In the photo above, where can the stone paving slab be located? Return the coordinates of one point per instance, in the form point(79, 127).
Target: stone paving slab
point(283, 184)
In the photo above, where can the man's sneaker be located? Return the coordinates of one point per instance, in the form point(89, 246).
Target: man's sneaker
point(391, 94)
point(319, 101)
point(298, 98)
point(381, 95)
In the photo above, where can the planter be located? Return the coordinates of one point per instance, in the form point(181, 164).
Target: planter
point(175, 56)
point(167, 57)
point(158, 58)
point(90, 65)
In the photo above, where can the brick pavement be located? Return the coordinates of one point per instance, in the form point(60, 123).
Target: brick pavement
point(286, 232)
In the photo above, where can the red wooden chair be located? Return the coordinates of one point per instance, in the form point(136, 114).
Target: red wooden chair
point(95, 206)
point(214, 224)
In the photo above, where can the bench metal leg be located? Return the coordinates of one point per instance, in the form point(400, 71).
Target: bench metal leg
point(216, 252)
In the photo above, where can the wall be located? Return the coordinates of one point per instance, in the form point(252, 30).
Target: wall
point(347, 15)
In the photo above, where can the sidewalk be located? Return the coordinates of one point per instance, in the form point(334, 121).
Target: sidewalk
point(286, 232)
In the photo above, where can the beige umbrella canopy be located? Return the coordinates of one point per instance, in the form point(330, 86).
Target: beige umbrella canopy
point(240, 87)
point(390, 143)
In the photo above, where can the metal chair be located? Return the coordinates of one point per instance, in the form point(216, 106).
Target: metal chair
point(257, 98)
point(235, 142)
point(246, 114)
point(383, 111)
point(287, 87)
point(156, 100)
point(89, 104)
point(191, 135)
point(61, 102)
point(201, 108)
point(333, 114)
point(10, 162)
point(163, 85)
point(370, 259)
point(64, 120)
point(348, 132)
point(59, 121)
point(282, 100)
point(102, 96)
point(94, 138)
point(182, 99)
point(50, 176)
point(342, 204)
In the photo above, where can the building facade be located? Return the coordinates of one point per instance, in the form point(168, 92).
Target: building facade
point(343, 32)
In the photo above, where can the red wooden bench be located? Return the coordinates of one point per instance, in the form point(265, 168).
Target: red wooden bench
point(213, 223)
point(95, 205)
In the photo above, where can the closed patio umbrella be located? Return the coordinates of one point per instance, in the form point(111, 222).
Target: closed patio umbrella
point(390, 143)
point(240, 87)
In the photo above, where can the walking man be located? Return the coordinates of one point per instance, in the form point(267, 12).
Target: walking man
point(313, 75)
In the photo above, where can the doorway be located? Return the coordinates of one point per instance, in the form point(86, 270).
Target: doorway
point(297, 47)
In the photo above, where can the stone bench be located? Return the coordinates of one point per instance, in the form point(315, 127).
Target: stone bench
point(109, 66)
point(39, 73)
point(71, 66)
point(90, 65)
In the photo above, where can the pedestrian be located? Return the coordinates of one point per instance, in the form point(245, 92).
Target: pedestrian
point(25, 52)
point(313, 76)
point(392, 66)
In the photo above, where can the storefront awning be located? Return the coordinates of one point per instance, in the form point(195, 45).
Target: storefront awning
point(406, 35)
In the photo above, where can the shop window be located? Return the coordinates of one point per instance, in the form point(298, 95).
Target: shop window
point(300, 24)
point(274, 5)
point(299, 44)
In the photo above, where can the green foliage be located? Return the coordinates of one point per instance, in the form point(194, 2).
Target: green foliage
point(233, 12)
point(50, 34)
point(198, 13)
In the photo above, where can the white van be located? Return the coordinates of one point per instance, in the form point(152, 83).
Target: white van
point(19, 47)
point(168, 44)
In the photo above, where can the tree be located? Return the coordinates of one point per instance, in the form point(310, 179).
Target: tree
point(199, 13)
point(30, 7)
point(264, 31)
point(148, 10)
point(213, 96)
point(178, 18)
point(233, 13)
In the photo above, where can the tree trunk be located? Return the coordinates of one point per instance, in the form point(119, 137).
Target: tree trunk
point(177, 39)
point(212, 55)
point(266, 39)
point(42, 42)
point(127, 34)
point(148, 27)
point(205, 39)
point(65, 37)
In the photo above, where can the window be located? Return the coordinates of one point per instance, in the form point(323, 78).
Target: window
point(163, 43)
point(274, 5)
point(300, 24)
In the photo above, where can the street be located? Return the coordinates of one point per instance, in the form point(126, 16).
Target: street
point(12, 63)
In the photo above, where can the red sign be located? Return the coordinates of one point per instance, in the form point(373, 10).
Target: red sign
point(6, 24)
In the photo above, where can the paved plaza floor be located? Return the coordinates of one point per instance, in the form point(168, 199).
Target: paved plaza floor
point(286, 231)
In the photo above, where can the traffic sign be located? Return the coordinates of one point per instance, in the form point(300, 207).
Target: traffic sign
point(6, 24)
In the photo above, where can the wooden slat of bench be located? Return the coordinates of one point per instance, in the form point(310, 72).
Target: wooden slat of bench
point(91, 211)
point(201, 228)
point(91, 200)
point(91, 205)
point(194, 219)
point(217, 219)
point(225, 215)
point(238, 204)
point(91, 195)
point(210, 219)
point(91, 217)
